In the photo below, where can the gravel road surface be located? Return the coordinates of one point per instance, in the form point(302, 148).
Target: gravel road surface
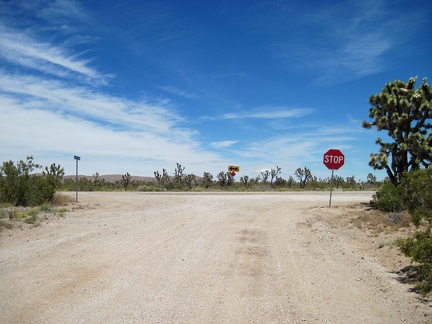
point(196, 258)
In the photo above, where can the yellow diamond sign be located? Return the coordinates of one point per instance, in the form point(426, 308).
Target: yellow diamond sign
point(233, 168)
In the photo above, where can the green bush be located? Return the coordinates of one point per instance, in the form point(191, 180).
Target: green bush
point(389, 198)
point(419, 249)
point(417, 192)
point(19, 186)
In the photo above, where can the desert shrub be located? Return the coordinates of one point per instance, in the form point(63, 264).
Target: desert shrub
point(417, 191)
point(84, 184)
point(19, 186)
point(68, 185)
point(389, 198)
point(34, 212)
point(419, 249)
point(32, 217)
point(417, 187)
point(46, 208)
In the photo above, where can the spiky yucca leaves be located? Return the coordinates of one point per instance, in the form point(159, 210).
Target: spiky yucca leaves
point(405, 113)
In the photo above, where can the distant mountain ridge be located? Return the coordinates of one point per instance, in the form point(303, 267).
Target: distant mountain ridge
point(110, 177)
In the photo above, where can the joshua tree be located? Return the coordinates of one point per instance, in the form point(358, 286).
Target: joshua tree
point(178, 174)
point(264, 175)
point(244, 180)
point(274, 175)
point(207, 179)
point(405, 113)
point(126, 179)
point(304, 176)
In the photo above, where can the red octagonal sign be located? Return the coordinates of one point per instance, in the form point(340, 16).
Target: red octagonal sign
point(333, 159)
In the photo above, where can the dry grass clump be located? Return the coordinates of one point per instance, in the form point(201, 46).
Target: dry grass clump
point(62, 200)
point(399, 219)
point(375, 220)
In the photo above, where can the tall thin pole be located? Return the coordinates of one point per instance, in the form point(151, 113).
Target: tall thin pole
point(331, 188)
point(76, 180)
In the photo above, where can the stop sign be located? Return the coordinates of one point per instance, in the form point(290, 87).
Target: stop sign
point(333, 159)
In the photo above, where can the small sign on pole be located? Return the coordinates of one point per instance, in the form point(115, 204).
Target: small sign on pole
point(77, 158)
point(333, 159)
point(233, 168)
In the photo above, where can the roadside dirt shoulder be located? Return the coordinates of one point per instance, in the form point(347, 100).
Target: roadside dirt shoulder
point(373, 234)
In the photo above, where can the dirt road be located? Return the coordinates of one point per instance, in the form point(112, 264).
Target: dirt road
point(196, 258)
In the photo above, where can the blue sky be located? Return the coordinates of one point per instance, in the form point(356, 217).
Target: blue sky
point(137, 86)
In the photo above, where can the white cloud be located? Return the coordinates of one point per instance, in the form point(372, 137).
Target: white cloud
point(39, 132)
point(26, 52)
point(222, 144)
point(87, 103)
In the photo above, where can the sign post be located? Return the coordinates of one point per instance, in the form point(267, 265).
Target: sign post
point(333, 159)
point(77, 158)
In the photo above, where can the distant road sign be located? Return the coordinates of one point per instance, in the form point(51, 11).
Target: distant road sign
point(233, 168)
point(333, 159)
point(77, 157)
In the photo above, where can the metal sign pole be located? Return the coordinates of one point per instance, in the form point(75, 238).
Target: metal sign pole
point(76, 181)
point(331, 188)
point(77, 158)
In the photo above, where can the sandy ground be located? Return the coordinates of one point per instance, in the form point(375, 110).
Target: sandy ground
point(204, 258)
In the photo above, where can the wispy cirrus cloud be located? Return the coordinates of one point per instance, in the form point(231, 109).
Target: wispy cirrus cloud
point(39, 37)
point(264, 112)
point(50, 15)
point(83, 102)
point(63, 9)
point(26, 52)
